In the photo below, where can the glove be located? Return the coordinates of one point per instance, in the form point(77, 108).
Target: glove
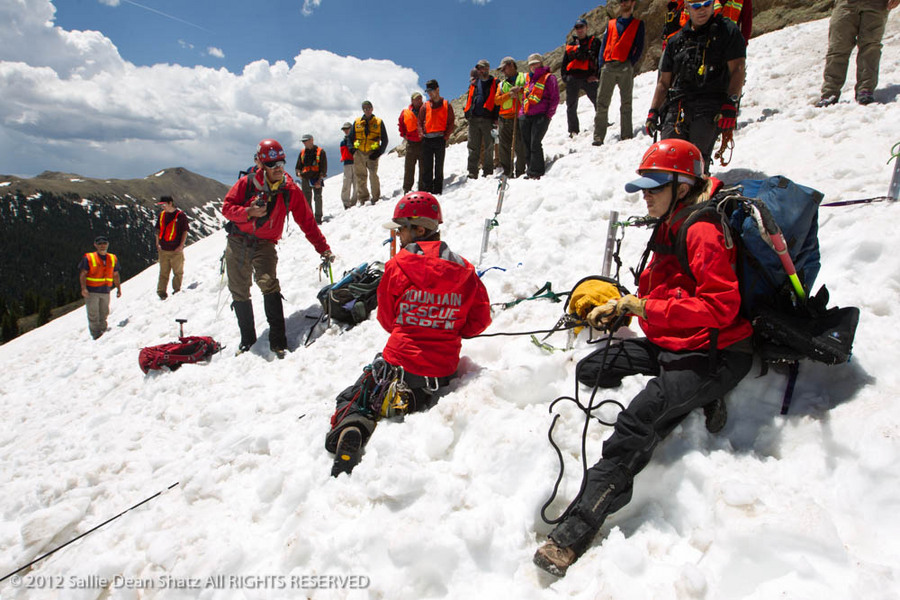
point(356, 144)
point(727, 117)
point(327, 258)
point(631, 305)
point(375, 145)
point(601, 316)
point(651, 125)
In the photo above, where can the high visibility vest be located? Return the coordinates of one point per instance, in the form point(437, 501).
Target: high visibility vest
point(411, 122)
point(312, 170)
point(436, 118)
point(730, 9)
point(534, 93)
point(578, 64)
point(368, 134)
point(618, 48)
point(100, 274)
point(509, 107)
point(488, 103)
point(167, 233)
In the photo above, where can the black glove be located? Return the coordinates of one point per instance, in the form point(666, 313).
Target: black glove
point(651, 125)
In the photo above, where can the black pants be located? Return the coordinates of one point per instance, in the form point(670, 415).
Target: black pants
point(694, 121)
point(574, 85)
point(431, 167)
point(683, 382)
point(533, 129)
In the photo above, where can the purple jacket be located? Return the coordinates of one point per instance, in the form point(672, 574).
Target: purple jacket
point(550, 98)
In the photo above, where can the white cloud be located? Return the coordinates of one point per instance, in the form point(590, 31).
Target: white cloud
point(185, 45)
point(217, 52)
point(72, 101)
point(309, 5)
point(110, 2)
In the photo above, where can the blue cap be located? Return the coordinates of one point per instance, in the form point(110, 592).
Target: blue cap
point(649, 180)
point(580, 22)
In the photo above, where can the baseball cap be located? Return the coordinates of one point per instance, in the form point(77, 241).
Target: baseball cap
point(580, 22)
point(366, 103)
point(347, 125)
point(101, 239)
point(166, 200)
point(431, 84)
point(507, 60)
point(483, 63)
point(415, 95)
point(535, 58)
point(652, 179)
point(306, 137)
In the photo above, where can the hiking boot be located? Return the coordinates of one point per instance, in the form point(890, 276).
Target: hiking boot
point(572, 134)
point(716, 415)
point(827, 101)
point(471, 176)
point(244, 312)
point(243, 348)
point(275, 317)
point(280, 353)
point(865, 97)
point(534, 177)
point(348, 452)
point(596, 143)
point(553, 559)
point(162, 295)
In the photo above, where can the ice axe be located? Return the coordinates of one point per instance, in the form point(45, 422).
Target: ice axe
point(181, 323)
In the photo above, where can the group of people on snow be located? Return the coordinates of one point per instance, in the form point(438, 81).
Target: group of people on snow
point(697, 344)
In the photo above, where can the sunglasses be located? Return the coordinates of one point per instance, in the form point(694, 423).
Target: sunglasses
point(273, 164)
point(658, 189)
point(699, 5)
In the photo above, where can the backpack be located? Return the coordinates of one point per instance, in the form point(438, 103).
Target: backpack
point(788, 325)
point(188, 349)
point(352, 298)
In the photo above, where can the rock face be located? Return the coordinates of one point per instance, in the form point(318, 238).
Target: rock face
point(48, 222)
point(768, 15)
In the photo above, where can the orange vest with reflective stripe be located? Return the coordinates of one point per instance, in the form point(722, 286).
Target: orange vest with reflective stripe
point(167, 233)
point(488, 103)
point(730, 9)
point(436, 118)
point(534, 95)
point(578, 64)
point(411, 122)
point(618, 48)
point(100, 274)
point(313, 169)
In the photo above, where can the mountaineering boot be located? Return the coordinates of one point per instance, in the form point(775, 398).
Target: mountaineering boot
point(348, 452)
point(244, 313)
point(553, 559)
point(716, 415)
point(275, 317)
point(827, 100)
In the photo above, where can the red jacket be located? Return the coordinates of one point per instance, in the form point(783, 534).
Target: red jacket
point(680, 310)
point(236, 202)
point(428, 299)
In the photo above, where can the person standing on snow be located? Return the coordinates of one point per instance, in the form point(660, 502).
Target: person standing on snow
point(436, 123)
point(620, 51)
point(428, 300)
point(256, 208)
point(170, 239)
point(312, 169)
point(369, 140)
point(541, 97)
point(854, 23)
point(701, 76)
point(409, 131)
point(98, 273)
point(482, 116)
point(508, 100)
point(579, 72)
point(348, 187)
point(698, 346)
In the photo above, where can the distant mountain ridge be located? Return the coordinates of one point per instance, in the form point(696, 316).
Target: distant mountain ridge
point(49, 221)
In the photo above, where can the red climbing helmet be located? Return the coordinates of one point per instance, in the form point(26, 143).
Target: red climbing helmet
point(665, 161)
point(416, 208)
point(269, 150)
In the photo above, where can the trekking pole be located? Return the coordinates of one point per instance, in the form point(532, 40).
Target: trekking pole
point(75, 539)
point(181, 323)
point(610, 242)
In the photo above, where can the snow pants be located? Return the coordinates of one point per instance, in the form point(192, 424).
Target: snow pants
point(683, 381)
point(854, 23)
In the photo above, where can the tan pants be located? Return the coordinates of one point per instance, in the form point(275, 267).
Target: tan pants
point(413, 157)
point(854, 23)
point(170, 261)
point(348, 189)
point(614, 74)
point(363, 165)
point(97, 306)
point(244, 260)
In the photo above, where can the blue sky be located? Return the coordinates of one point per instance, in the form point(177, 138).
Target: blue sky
point(123, 88)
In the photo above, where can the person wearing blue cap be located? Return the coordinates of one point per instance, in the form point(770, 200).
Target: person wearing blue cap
point(580, 71)
point(98, 273)
point(697, 346)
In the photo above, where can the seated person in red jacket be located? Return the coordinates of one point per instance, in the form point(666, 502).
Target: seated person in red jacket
point(428, 300)
point(697, 347)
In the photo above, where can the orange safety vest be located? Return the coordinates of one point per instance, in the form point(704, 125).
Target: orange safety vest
point(410, 121)
point(313, 169)
point(167, 234)
point(534, 94)
point(100, 274)
point(618, 48)
point(730, 9)
point(580, 64)
point(436, 118)
point(509, 106)
point(489, 103)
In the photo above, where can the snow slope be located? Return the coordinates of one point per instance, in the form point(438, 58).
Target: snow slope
point(448, 503)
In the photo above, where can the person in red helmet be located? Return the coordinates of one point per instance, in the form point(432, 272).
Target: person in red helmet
point(697, 345)
point(256, 208)
point(428, 300)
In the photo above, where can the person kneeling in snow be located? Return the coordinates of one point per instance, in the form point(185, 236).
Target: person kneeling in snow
point(428, 299)
point(697, 347)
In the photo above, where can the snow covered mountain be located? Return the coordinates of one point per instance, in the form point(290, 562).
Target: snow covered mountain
point(447, 504)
